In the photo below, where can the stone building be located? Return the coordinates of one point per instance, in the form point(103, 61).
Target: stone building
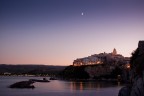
point(102, 58)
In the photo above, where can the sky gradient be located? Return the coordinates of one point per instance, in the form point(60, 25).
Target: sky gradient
point(55, 32)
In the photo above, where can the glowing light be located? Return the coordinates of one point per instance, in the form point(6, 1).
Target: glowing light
point(98, 62)
point(128, 66)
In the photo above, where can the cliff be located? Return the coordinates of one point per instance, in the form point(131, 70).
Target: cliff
point(73, 72)
point(136, 85)
point(90, 72)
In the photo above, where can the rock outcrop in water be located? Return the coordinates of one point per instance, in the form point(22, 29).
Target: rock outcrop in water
point(136, 86)
point(22, 84)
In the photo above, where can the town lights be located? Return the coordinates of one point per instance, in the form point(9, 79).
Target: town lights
point(128, 66)
point(98, 62)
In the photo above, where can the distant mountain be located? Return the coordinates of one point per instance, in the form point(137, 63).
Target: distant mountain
point(30, 69)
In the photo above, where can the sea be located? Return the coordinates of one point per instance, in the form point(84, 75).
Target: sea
point(59, 87)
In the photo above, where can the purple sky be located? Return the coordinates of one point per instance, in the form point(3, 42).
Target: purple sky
point(55, 32)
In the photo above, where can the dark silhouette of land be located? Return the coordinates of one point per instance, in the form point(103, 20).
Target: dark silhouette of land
point(30, 69)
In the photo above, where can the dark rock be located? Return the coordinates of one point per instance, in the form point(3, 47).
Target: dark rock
point(22, 84)
point(125, 91)
point(136, 73)
point(37, 80)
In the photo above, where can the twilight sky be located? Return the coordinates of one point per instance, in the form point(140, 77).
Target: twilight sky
point(56, 32)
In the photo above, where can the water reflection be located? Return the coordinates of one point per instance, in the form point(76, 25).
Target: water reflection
point(96, 85)
point(60, 88)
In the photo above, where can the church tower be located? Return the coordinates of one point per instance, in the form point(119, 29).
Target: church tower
point(114, 52)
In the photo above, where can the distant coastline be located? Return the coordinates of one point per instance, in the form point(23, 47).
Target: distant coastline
point(29, 70)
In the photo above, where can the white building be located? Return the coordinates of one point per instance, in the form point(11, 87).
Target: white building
point(102, 58)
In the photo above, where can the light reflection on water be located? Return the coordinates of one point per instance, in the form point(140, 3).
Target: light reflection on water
point(92, 85)
point(59, 88)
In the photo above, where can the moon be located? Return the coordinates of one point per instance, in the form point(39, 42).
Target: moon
point(82, 13)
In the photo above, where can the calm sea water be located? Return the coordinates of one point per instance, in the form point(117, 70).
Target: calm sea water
point(59, 88)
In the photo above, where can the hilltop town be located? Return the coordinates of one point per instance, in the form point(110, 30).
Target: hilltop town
point(103, 65)
point(113, 59)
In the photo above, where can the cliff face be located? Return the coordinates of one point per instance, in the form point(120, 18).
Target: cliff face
point(137, 71)
point(73, 72)
point(95, 71)
point(91, 72)
point(136, 86)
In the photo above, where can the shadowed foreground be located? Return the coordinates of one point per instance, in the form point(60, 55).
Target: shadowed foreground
point(136, 86)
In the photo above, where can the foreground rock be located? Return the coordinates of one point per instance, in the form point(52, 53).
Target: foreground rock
point(136, 86)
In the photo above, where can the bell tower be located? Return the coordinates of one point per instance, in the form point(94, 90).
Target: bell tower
point(114, 52)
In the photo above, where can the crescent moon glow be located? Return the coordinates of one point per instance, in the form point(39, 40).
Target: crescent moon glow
point(82, 13)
